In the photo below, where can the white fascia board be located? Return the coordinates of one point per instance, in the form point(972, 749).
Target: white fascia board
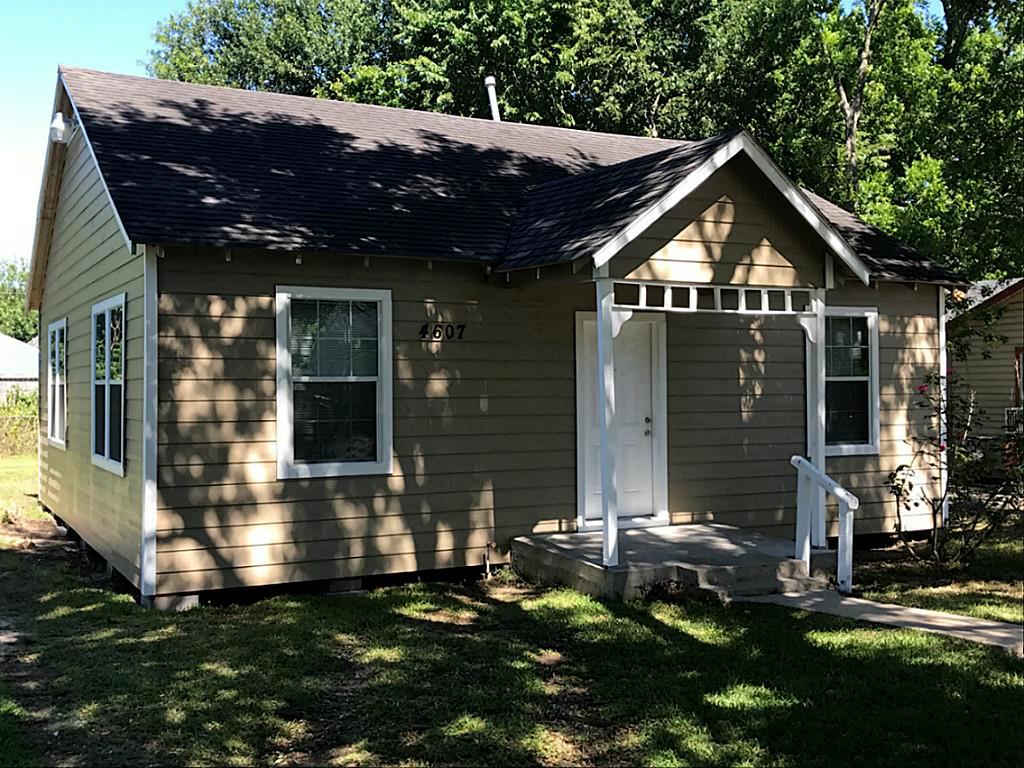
point(742, 142)
point(96, 162)
point(34, 260)
point(150, 417)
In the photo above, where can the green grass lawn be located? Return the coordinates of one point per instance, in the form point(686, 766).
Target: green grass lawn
point(493, 673)
point(991, 587)
point(18, 486)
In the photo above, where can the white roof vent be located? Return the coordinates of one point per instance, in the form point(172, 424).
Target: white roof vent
point(492, 96)
point(60, 130)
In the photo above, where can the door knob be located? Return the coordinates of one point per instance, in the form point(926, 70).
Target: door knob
point(647, 432)
point(647, 420)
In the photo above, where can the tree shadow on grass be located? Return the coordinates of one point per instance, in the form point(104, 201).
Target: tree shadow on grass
point(497, 674)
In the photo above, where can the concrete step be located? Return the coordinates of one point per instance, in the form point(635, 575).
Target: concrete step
point(785, 575)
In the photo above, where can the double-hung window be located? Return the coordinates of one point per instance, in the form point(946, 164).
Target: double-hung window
point(108, 384)
point(333, 382)
point(56, 382)
point(851, 381)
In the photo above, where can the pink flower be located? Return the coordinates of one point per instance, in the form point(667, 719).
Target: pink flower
point(922, 388)
point(942, 446)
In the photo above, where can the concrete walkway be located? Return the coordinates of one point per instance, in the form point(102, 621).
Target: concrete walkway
point(1001, 633)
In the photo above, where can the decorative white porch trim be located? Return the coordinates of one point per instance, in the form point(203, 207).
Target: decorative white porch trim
point(742, 142)
point(806, 304)
point(686, 297)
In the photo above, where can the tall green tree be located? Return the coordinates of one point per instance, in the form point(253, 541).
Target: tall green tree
point(15, 319)
point(911, 120)
point(287, 46)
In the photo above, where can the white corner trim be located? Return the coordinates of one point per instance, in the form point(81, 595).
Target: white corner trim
point(287, 467)
point(742, 142)
point(99, 169)
point(943, 397)
point(150, 413)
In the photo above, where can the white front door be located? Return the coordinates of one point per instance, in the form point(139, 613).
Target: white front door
point(638, 356)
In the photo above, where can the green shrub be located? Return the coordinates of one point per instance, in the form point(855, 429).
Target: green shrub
point(18, 422)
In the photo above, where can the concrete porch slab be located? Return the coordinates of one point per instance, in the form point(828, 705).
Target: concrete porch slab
point(720, 558)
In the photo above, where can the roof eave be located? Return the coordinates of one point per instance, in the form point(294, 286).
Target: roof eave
point(49, 192)
point(49, 183)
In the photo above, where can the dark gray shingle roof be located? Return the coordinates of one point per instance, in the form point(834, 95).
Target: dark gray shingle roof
point(562, 219)
point(202, 165)
point(886, 257)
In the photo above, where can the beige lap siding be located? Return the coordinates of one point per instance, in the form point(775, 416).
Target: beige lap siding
point(735, 229)
point(908, 352)
point(89, 261)
point(484, 439)
point(736, 415)
point(992, 378)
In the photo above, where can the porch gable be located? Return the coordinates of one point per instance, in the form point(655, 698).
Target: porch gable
point(736, 228)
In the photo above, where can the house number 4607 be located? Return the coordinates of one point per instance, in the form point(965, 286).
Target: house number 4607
point(442, 331)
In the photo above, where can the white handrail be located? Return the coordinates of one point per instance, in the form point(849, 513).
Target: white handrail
point(808, 476)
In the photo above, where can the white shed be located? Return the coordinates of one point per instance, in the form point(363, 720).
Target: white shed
point(19, 366)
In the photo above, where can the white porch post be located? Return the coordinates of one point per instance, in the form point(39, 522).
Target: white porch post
point(817, 398)
point(608, 431)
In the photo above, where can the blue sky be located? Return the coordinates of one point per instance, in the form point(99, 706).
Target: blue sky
point(36, 36)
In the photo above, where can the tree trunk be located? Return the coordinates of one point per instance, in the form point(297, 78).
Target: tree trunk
point(852, 104)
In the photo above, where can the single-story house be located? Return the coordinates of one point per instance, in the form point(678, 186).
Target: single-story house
point(317, 340)
point(19, 366)
point(995, 373)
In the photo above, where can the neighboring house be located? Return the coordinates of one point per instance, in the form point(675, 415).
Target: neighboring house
point(19, 366)
point(997, 380)
point(316, 340)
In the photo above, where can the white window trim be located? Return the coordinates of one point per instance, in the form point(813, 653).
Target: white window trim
point(287, 467)
point(53, 381)
point(872, 447)
point(115, 467)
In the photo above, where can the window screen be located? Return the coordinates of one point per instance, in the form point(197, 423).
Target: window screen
point(335, 379)
point(847, 380)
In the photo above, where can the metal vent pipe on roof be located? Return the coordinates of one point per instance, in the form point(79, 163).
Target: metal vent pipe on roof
point(492, 97)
